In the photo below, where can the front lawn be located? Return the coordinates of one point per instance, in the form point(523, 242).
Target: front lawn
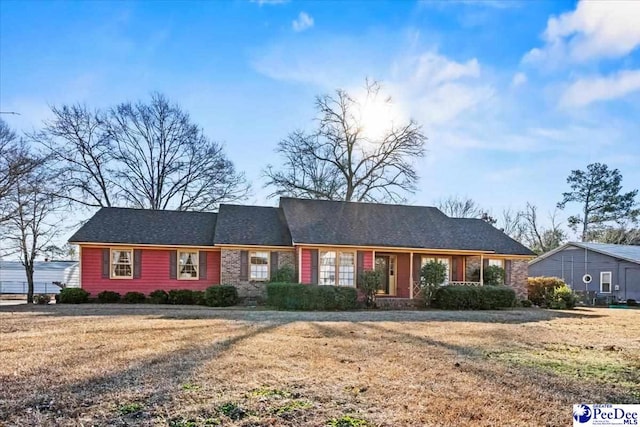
point(190, 366)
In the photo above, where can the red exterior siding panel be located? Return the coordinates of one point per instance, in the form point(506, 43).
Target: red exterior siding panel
point(154, 273)
point(306, 266)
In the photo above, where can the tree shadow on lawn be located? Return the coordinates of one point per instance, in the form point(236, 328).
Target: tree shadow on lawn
point(513, 316)
point(492, 371)
point(154, 380)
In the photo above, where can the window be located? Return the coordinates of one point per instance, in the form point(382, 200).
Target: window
point(444, 261)
point(122, 263)
point(495, 263)
point(258, 265)
point(605, 282)
point(188, 265)
point(337, 268)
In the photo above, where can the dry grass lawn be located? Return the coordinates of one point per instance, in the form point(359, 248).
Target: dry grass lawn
point(122, 365)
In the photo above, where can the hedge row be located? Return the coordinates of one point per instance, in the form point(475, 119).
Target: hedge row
point(293, 296)
point(214, 296)
point(474, 297)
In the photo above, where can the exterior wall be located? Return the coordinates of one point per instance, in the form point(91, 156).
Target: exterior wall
point(569, 265)
point(230, 272)
point(518, 277)
point(154, 273)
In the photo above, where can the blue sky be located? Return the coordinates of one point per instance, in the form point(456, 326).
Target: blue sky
point(512, 95)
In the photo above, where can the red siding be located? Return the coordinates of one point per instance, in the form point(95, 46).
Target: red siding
point(368, 260)
point(306, 266)
point(403, 270)
point(154, 273)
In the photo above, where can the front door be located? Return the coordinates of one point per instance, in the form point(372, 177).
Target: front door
point(386, 265)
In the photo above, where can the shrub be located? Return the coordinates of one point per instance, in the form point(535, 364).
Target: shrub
point(42, 299)
point(221, 296)
point(293, 296)
point(198, 297)
point(474, 297)
point(563, 297)
point(182, 297)
point(133, 298)
point(74, 296)
point(108, 297)
point(432, 275)
point(493, 275)
point(284, 274)
point(526, 303)
point(159, 297)
point(632, 303)
point(541, 289)
point(369, 283)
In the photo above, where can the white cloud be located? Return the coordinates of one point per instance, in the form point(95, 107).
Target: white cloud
point(585, 91)
point(303, 22)
point(595, 29)
point(518, 79)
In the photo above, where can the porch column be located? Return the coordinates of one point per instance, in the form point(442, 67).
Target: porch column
point(410, 275)
point(481, 269)
point(299, 264)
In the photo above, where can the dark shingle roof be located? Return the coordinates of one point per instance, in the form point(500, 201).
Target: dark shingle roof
point(153, 227)
point(252, 225)
point(368, 224)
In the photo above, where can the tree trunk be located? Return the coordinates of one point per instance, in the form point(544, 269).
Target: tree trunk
point(29, 271)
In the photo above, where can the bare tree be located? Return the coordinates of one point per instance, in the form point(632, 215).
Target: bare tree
point(145, 155)
point(459, 207)
point(33, 227)
point(625, 232)
point(81, 154)
point(512, 224)
point(15, 163)
point(340, 160)
point(542, 239)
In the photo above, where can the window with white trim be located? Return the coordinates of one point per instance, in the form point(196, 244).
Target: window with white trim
point(605, 282)
point(495, 263)
point(337, 268)
point(188, 265)
point(122, 263)
point(259, 265)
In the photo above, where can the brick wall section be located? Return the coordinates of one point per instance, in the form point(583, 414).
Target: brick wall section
point(230, 273)
point(519, 276)
point(472, 263)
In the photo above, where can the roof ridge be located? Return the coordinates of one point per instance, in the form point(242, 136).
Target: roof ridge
point(360, 203)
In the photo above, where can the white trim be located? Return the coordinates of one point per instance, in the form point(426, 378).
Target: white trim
point(265, 279)
point(111, 272)
point(610, 281)
point(197, 252)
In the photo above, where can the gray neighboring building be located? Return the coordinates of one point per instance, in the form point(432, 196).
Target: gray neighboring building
point(615, 269)
point(13, 279)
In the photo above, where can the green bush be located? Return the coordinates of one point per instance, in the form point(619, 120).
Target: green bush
point(293, 296)
point(73, 296)
point(108, 297)
point(474, 297)
point(541, 290)
point(285, 274)
point(182, 297)
point(198, 297)
point(493, 276)
point(632, 303)
point(563, 297)
point(42, 299)
point(526, 303)
point(432, 275)
point(221, 296)
point(159, 297)
point(369, 284)
point(133, 298)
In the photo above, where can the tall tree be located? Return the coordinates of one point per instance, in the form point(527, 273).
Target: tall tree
point(147, 155)
point(538, 238)
point(82, 155)
point(33, 226)
point(343, 160)
point(599, 192)
point(459, 207)
point(15, 163)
